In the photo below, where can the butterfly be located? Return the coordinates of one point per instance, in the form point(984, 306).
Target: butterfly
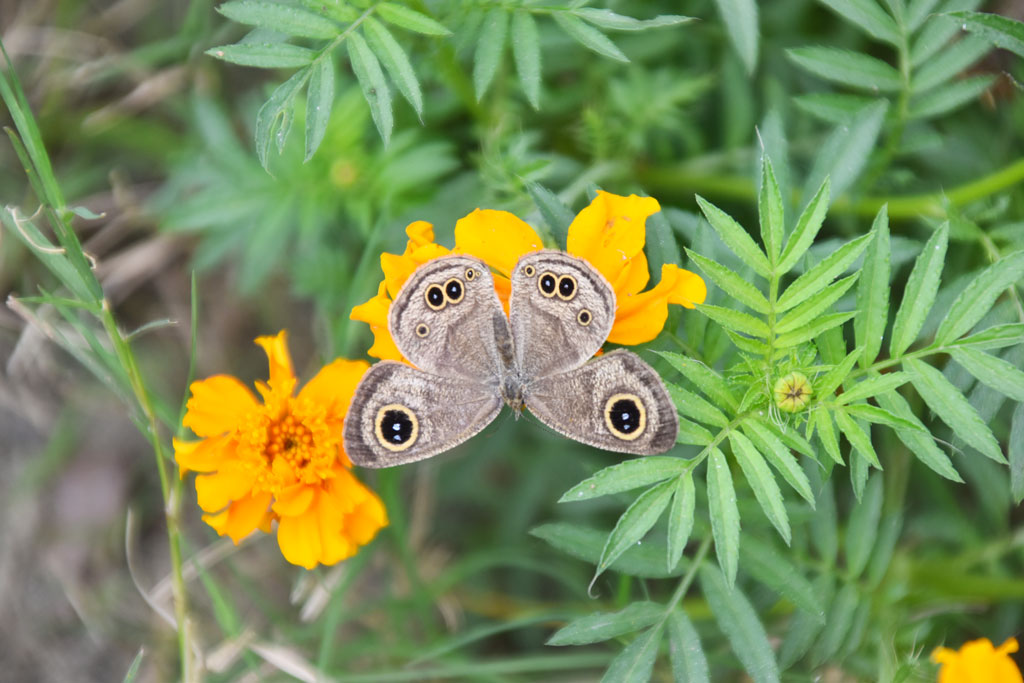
point(470, 359)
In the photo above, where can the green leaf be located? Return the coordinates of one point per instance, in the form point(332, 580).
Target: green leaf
point(526, 51)
point(863, 411)
point(919, 294)
point(556, 214)
point(780, 458)
point(872, 387)
point(804, 627)
point(952, 408)
point(730, 282)
point(977, 298)
point(858, 438)
point(762, 482)
point(680, 518)
point(769, 208)
point(948, 63)
point(992, 371)
point(402, 16)
point(735, 320)
point(834, 108)
point(631, 474)
point(873, 292)
point(605, 18)
point(999, 30)
point(735, 237)
point(689, 665)
point(823, 323)
point(725, 516)
point(811, 309)
point(826, 385)
point(390, 52)
point(264, 55)
point(319, 100)
point(703, 377)
point(845, 153)
point(837, 624)
point(588, 36)
point(287, 19)
point(881, 556)
point(634, 523)
point(635, 663)
point(919, 440)
point(740, 19)
point(806, 228)
point(489, 47)
point(371, 80)
point(995, 337)
point(661, 247)
point(694, 407)
point(870, 17)
point(862, 529)
point(819, 277)
point(847, 67)
point(1017, 454)
point(601, 626)
point(762, 561)
point(949, 97)
point(646, 560)
point(276, 113)
point(918, 11)
point(738, 621)
point(692, 434)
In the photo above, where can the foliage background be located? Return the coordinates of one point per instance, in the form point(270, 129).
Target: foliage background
point(165, 146)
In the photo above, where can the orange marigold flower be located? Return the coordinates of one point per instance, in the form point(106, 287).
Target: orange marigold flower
point(281, 459)
point(610, 233)
point(978, 662)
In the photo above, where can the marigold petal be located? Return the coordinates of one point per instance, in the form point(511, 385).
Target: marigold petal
point(374, 312)
point(245, 515)
point(298, 538)
point(611, 231)
point(216, 490)
point(205, 455)
point(398, 267)
point(294, 500)
point(366, 520)
point(634, 277)
point(498, 238)
point(335, 543)
point(1009, 645)
point(420, 233)
point(217, 405)
point(503, 287)
point(282, 376)
point(640, 317)
point(334, 386)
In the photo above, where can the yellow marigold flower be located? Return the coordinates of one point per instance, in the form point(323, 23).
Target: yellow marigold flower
point(978, 662)
point(281, 459)
point(610, 233)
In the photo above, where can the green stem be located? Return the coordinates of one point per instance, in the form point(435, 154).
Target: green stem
point(691, 573)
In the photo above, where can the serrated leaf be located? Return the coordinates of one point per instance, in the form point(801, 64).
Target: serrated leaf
point(636, 662)
point(845, 152)
point(371, 81)
point(680, 518)
point(556, 214)
point(811, 309)
point(634, 523)
point(692, 434)
point(919, 294)
point(287, 19)
point(740, 19)
point(876, 415)
point(995, 337)
point(489, 48)
point(703, 377)
point(977, 298)
point(881, 555)
point(999, 30)
point(870, 17)
point(601, 626)
point(605, 18)
point(400, 15)
point(588, 36)
point(276, 114)
point(790, 437)
point(837, 624)
point(264, 55)
point(812, 330)
point(872, 387)
point(834, 108)
point(319, 101)
point(819, 277)
point(661, 247)
point(780, 458)
point(771, 568)
point(804, 627)
point(847, 67)
point(735, 320)
point(862, 529)
point(770, 211)
point(873, 292)
point(858, 438)
point(695, 407)
point(762, 482)
point(526, 52)
point(725, 516)
point(735, 237)
point(948, 63)
point(918, 11)
point(1016, 449)
point(397, 63)
point(806, 229)
point(740, 624)
point(631, 474)
point(946, 98)
point(949, 404)
point(992, 371)
point(827, 384)
point(730, 282)
point(919, 440)
point(646, 560)
point(689, 665)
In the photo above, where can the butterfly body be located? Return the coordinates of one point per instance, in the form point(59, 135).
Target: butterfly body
point(471, 359)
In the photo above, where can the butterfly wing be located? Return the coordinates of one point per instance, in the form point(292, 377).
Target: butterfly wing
point(616, 402)
point(447, 320)
point(400, 414)
point(560, 313)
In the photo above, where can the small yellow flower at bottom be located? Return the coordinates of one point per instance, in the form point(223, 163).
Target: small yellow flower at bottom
point(281, 460)
point(978, 662)
point(792, 392)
